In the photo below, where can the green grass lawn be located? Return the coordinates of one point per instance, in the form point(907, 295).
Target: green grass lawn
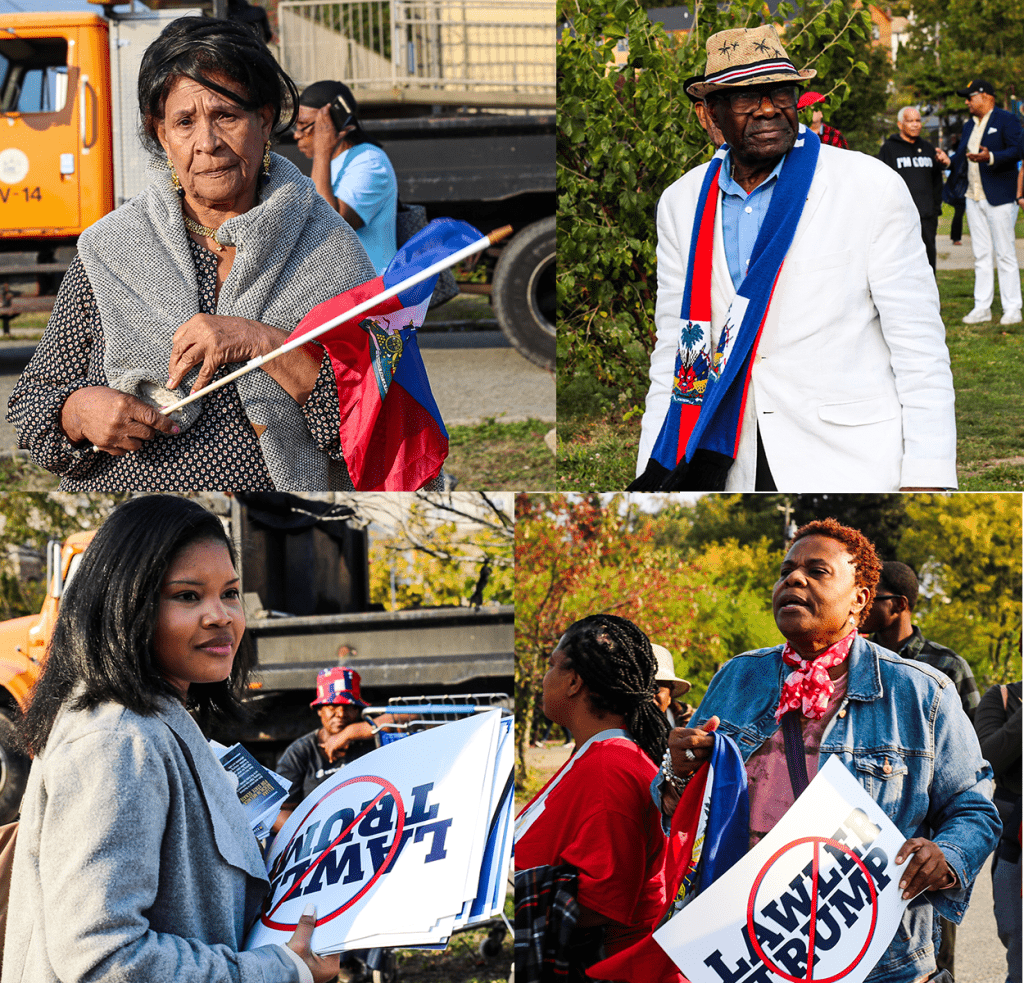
point(596, 454)
point(488, 457)
point(988, 373)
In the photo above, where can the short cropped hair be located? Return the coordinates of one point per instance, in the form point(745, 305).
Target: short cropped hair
point(862, 552)
point(900, 116)
point(898, 578)
point(198, 47)
point(102, 641)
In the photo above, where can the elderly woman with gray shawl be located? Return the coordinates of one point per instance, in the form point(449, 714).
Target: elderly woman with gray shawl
point(213, 264)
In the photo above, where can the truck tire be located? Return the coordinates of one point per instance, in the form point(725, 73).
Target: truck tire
point(13, 769)
point(523, 292)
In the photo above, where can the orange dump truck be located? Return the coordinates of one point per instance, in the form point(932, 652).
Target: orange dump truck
point(69, 152)
point(23, 644)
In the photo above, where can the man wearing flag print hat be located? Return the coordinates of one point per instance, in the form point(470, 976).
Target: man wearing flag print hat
point(799, 341)
point(315, 756)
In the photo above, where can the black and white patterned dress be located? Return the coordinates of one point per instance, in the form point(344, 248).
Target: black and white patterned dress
point(221, 450)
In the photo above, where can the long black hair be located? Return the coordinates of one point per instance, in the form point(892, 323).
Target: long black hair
point(102, 639)
point(198, 47)
point(615, 660)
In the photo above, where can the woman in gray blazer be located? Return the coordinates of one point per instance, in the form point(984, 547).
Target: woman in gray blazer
point(134, 858)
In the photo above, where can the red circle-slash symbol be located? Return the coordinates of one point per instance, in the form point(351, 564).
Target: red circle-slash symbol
point(386, 788)
point(817, 842)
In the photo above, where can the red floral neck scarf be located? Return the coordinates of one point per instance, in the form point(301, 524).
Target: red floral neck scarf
point(808, 687)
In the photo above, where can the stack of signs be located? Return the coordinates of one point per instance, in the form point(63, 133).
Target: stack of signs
point(402, 846)
point(817, 899)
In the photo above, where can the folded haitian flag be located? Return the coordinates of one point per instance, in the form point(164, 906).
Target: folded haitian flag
point(391, 431)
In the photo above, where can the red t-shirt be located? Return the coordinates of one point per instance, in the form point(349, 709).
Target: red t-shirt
point(601, 820)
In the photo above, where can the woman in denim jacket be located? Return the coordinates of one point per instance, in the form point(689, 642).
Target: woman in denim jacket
point(897, 725)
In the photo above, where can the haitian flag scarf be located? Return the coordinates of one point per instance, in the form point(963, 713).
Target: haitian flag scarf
point(700, 434)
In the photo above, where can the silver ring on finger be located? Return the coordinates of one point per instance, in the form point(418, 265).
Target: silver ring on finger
point(689, 755)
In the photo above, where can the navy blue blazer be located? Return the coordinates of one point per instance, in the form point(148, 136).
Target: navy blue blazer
point(1002, 137)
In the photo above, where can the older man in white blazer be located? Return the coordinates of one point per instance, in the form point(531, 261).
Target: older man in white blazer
point(800, 345)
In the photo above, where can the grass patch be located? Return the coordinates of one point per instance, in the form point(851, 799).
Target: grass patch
point(18, 473)
point(597, 455)
point(946, 219)
point(493, 456)
point(598, 452)
point(988, 374)
point(461, 962)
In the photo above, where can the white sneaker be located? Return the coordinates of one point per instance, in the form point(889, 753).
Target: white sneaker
point(1011, 317)
point(978, 316)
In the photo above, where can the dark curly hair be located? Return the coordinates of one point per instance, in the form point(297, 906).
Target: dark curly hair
point(102, 639)
point(198, 47)
point(615, 660)
point(866, 563)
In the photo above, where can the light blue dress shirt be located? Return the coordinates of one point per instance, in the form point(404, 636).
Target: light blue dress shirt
point(742, 215)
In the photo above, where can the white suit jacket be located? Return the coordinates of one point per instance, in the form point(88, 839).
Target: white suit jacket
point(851, 385)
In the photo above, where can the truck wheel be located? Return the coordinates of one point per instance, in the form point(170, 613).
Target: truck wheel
point(13, 769)
point(523, 292)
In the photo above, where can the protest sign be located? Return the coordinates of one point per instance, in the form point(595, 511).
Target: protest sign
point(816, 901)
point(390, 849)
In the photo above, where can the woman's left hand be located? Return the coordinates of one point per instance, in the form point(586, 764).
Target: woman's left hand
point(927, 869)
point(213, 340)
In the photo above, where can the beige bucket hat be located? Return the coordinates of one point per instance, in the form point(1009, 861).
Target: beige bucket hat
point(667, 672)
point(746, 56)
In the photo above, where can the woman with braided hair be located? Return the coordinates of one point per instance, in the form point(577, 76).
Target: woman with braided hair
point(590, 850)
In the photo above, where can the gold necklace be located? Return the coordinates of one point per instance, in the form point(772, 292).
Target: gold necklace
point(201, 230)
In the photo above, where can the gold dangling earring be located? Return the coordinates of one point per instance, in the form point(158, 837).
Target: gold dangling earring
point(266, 160)
point(179, 190)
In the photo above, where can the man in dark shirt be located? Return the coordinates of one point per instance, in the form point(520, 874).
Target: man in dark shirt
point(920, 165)
point(891, 621)
point(339, 740)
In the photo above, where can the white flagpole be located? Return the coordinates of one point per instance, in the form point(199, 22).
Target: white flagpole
point(442, 264)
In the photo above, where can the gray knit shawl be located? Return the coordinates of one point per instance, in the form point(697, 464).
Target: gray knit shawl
point(292, 252)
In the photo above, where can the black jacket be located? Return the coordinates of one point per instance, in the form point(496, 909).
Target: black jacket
point(916, 164)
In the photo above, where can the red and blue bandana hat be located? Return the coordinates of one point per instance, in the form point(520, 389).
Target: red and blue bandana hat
point(339, 684)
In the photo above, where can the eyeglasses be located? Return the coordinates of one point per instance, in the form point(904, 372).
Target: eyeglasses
point(747, 101)
point(887, 597)
point(301, 129)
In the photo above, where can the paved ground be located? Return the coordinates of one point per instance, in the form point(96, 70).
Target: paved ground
point(950, 257)
point(980, 956)
point(478, 374)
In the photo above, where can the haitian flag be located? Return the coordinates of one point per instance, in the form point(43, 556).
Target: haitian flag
point(391, 431)
point(710, 833)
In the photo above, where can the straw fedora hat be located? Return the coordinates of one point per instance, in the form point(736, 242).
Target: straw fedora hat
point(746, 56)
